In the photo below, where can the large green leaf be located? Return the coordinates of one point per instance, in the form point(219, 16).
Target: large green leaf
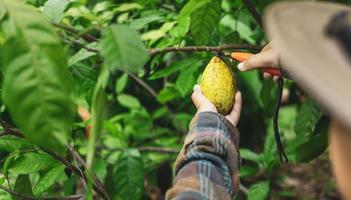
point(204, 21)
point(258, 191)
point(22, 186)
point(11, 143)
point(37, 88)
point(183, 18)
point(54, 9)
point(31, 162)
point(128, 101)
point(129, 175)
point(186, 80)
point(123, 49)
point(48, 179)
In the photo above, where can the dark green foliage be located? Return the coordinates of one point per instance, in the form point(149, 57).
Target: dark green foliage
point(134, 108)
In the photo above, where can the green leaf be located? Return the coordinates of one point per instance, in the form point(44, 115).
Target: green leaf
point(54, 9)
point(249, 155)
point(47, 179)
point(176, 66)
point(128, 101)
point(123, 49)
point(242, 28)
point(31, 162)
point(167, 94)
point(247, 171)
point(128, 6)
point(82, 54)
point(140, 23)
point(204, 21)
point(121, 83)
point(186, 80)
point(98, 110)
point(37, 86)
point(22, 186)
point(183, 18)
point(129, 175)
point(11, 143)
point(307, 118)
point(258, 191)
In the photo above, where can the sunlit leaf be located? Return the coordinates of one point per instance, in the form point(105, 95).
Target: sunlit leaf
point(31, 162)
point(128, 101)
point(47, 179)
point(54, 9)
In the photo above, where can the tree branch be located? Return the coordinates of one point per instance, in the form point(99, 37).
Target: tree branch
point(142, 83)
point(251, 7)
point(97, 186)
point(86, 36)
point(72, 197)
point(204, 48)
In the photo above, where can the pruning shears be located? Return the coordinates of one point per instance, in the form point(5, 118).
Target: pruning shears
point(243, 56)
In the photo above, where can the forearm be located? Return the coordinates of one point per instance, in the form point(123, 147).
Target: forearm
point(208, 164)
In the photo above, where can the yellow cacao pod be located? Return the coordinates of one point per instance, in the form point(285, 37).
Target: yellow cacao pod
point(218, 85)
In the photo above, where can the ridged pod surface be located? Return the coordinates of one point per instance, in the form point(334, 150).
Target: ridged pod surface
point(218, 85)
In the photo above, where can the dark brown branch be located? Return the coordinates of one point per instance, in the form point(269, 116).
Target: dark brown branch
point(74, 42)
point(97, 186)
point(251, 7)
point(72, 197)
point(142, 83)
point(205, 48)
point(86, 36)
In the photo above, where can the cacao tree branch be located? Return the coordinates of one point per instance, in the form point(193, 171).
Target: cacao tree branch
point(72, 197)
point(204, 48)
point(97, 186)
point(251, 7)
point(86, 36)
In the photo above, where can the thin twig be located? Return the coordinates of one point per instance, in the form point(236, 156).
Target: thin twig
point(205, 48)
point(74, 42)
point(72, 197)
point(142, 83)
point(251, 7)
point(86, 36)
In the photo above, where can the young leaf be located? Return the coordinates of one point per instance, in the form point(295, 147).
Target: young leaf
point(204, 21)
point(82, 54)
point(167, 94)
point(48, 179)
point(123, 49)
point(22, 186)
point(186, 80)
point(31, 162)
point(37, 87)
point(258, 191)
point(54, 9)
point(128, 101)
point(129, 175)
point(121, 83)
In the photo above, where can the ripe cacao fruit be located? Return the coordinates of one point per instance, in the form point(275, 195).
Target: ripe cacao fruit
point(218, 85)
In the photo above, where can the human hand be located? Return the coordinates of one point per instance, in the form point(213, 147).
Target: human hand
point(203, 104)
point(268, 57)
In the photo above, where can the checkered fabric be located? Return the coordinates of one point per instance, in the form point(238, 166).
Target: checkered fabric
point(208, 165)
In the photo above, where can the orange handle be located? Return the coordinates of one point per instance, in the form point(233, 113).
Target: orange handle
point(243, 56)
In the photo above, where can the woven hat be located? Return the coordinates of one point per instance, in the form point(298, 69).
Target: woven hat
point(314, 42)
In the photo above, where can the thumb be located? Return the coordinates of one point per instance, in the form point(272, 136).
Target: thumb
point(198, 98)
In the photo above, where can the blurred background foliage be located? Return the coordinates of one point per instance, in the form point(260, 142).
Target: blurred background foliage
point(148, 105)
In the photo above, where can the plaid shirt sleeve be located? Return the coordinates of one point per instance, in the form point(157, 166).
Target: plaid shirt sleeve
point(208, 165)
